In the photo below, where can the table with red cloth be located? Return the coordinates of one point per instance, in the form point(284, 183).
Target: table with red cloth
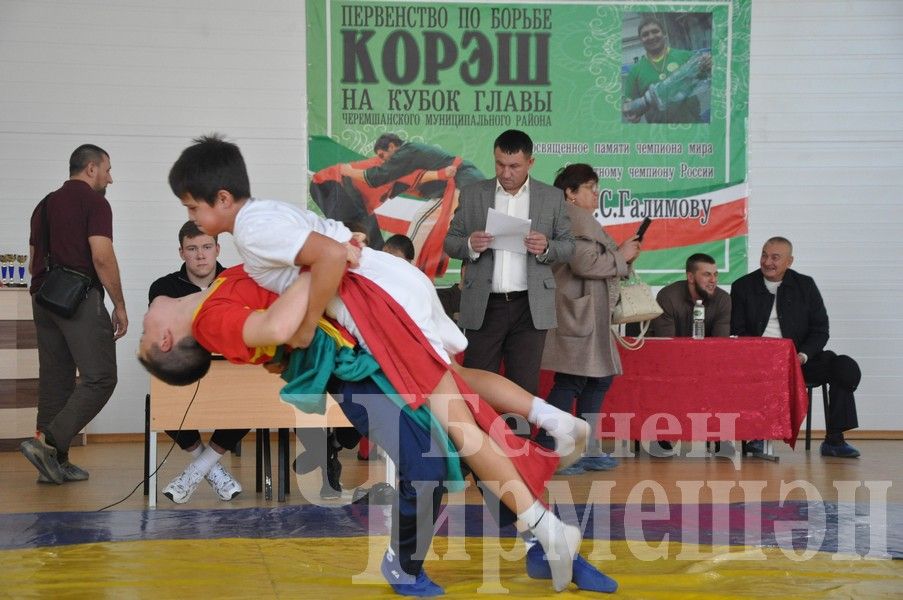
point(757, 380)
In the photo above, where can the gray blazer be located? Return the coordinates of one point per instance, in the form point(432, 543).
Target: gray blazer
point(548, 216)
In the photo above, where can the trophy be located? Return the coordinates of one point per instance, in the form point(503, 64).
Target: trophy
point(21, 261)
point(6, 267)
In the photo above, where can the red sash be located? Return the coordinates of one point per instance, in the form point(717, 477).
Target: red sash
point(414, 369)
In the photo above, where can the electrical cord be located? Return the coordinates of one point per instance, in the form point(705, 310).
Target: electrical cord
point(168, 452)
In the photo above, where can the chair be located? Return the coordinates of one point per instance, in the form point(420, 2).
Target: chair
point(824, 396)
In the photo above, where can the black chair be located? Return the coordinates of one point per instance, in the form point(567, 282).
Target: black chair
point(824, 396)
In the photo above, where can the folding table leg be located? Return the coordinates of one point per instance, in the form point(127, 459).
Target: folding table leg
point(766, 454)
point(769, 452)
point(258, 462)
point(267, 467)
point(282, 465)
point(146, 444)
point(152, 478)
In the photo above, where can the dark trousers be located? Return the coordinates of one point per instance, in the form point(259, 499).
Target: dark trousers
point(588, 392)
point(842, 375)
point(224, 438)
point(507, 335)
point(421, 468)
point(84, 342)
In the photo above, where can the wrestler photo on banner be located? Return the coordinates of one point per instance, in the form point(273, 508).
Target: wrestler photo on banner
point(408, 187)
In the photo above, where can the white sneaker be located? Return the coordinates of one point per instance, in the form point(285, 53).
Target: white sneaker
point(225, 486)
point(182, 487)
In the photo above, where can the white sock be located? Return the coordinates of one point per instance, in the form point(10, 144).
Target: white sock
point(541, 410)
point(532, 515)
point(196, 453)
point(206, 460)
point(564, 427)
point(542, 414)
point(559, 540)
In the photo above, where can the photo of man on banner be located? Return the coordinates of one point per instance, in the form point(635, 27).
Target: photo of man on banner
point(664, 83)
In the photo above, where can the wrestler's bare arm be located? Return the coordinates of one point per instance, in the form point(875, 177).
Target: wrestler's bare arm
point(281, 320)
point(327, 259)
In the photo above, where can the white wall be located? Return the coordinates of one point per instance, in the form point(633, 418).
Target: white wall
point(826, 164)
point(141, 78)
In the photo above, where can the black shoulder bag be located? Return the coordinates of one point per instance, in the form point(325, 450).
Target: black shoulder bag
point(63, 289)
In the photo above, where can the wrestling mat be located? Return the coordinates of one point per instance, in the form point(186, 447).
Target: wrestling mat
point(767, 550)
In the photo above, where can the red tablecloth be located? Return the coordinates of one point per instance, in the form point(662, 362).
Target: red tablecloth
point(755, 384)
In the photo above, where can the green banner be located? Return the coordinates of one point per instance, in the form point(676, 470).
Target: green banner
point(653, 96)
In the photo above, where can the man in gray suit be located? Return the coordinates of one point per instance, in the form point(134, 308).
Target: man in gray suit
point(508, 298)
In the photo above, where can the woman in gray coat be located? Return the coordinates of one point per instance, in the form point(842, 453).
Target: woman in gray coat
point(581, 350)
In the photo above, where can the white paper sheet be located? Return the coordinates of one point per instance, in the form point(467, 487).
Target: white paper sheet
point(508, 232)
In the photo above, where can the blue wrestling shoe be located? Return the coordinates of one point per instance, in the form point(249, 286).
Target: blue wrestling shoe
point(754, 447)
point(842, 450)
point(574, 469)
point(586, 576)
point(408, 585)
point(598, 463)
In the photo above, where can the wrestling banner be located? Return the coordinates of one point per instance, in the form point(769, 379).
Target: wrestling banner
point(653, 95)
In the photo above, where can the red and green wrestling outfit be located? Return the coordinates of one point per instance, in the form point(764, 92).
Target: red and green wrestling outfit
point(335, 363)
point(405, 357)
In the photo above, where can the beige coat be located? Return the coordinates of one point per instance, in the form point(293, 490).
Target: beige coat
point(586, 290)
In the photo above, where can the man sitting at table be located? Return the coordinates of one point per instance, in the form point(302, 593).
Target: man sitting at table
point(677, 301)
point(776, 301)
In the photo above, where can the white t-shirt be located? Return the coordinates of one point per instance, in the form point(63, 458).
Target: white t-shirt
point(269, 234)
point(773, 329)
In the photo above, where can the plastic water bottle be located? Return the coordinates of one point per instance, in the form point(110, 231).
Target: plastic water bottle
point(698, 321)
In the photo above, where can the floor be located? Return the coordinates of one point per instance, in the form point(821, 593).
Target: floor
point(690, 526)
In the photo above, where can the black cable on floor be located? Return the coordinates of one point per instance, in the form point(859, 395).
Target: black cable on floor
point(168, 452)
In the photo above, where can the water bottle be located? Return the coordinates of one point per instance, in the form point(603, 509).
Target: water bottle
point(698, 321)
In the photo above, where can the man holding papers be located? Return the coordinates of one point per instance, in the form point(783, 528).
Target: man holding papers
point(508, 231)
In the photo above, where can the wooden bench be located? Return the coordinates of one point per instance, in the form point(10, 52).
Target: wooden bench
point(233, 397)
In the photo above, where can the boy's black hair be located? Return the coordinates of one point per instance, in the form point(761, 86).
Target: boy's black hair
point(513, 141)
point(209, 165)
point(184, 364)
point(402, 243)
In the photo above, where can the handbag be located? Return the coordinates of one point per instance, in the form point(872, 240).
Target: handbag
point(63, 289)
point(635, 305)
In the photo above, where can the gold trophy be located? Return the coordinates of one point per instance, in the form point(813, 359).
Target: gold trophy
point(21, 261)
point(6, 268)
